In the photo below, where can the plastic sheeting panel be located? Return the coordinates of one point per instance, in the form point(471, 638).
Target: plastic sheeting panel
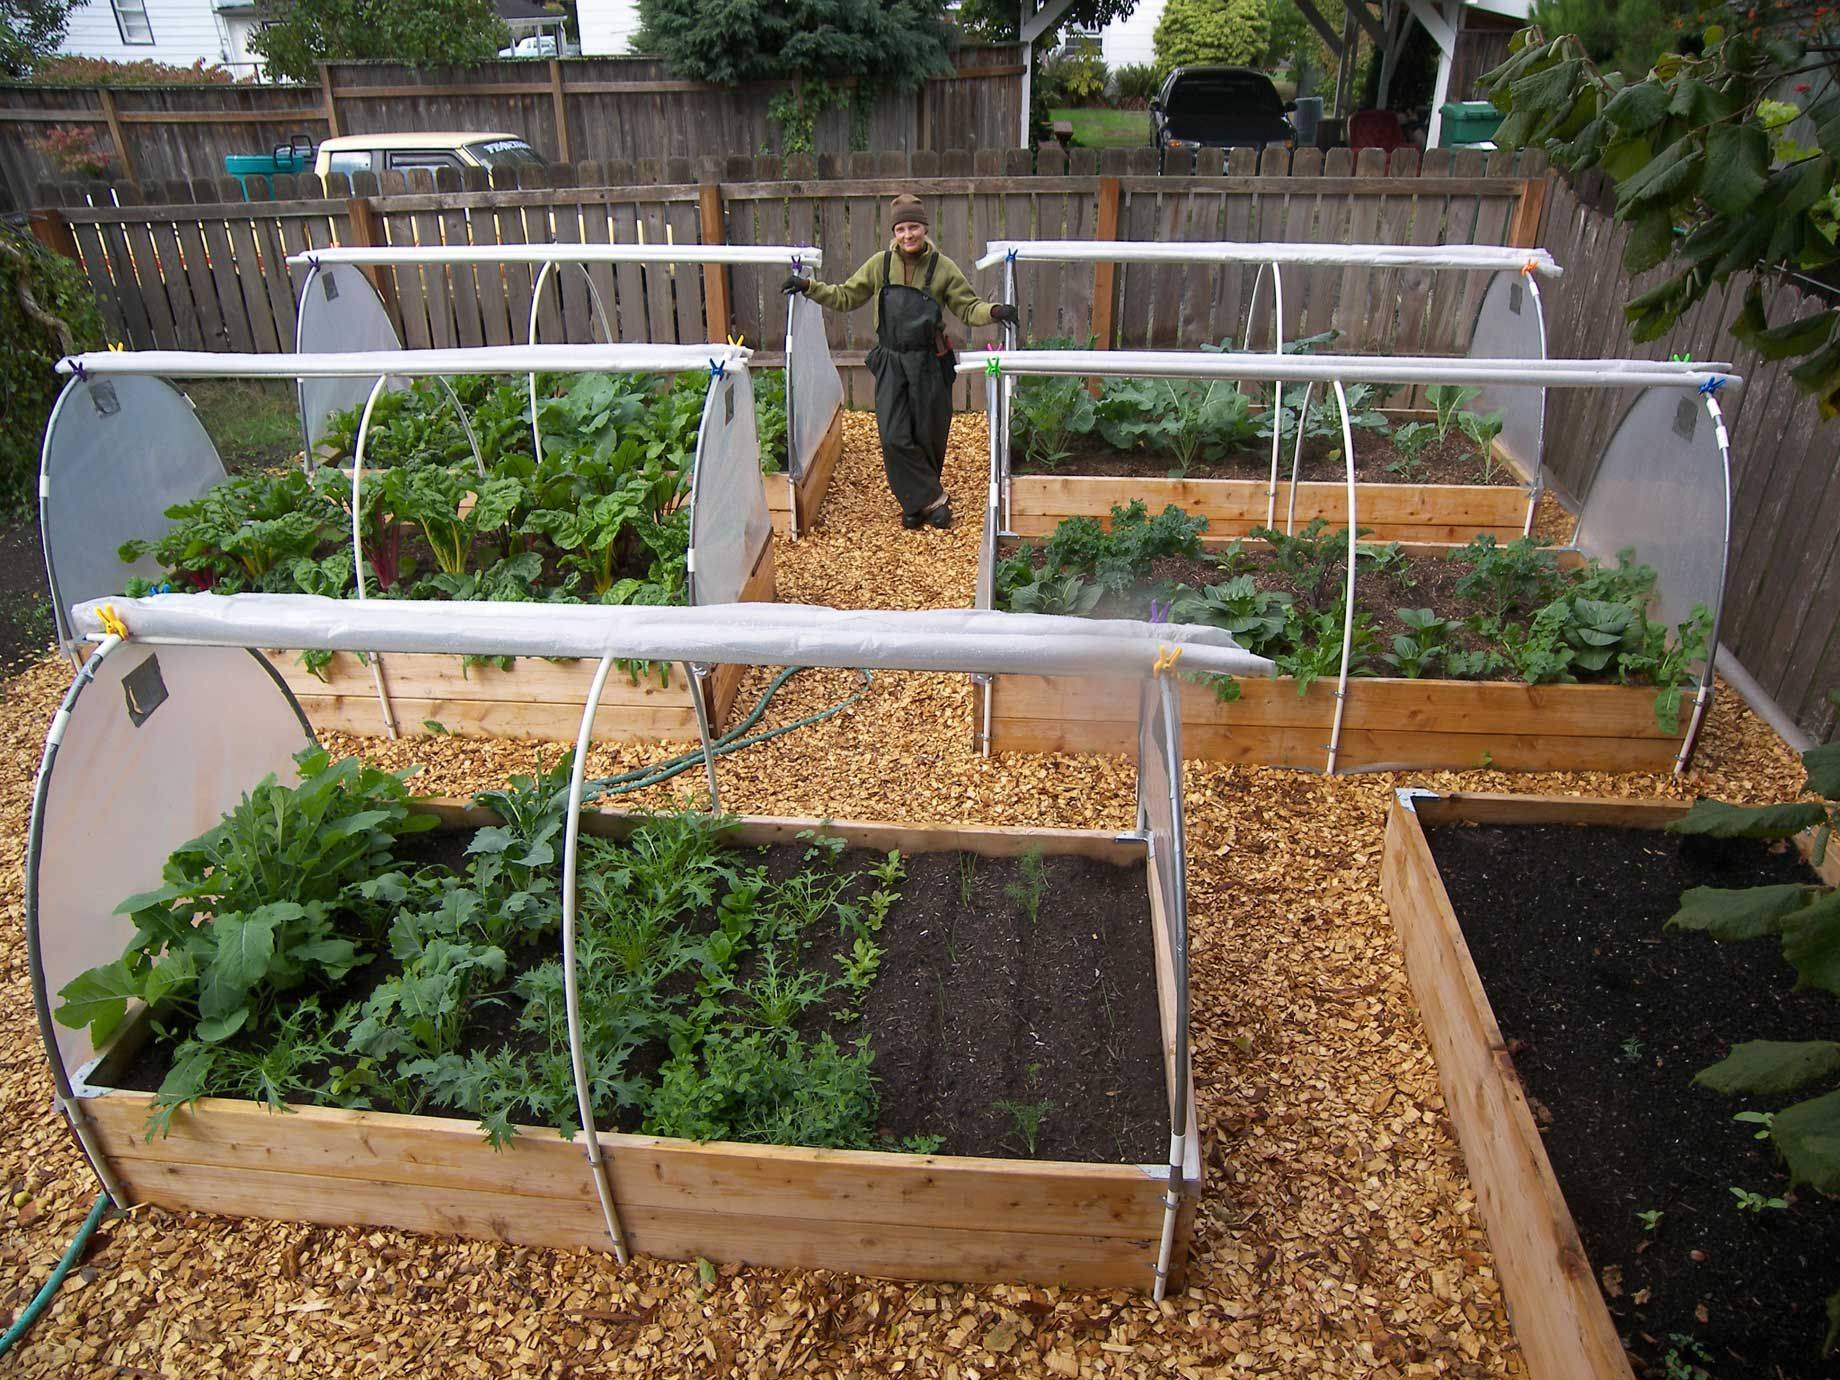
point(1661, 488)
point(729, 522)
point(118, 453)
point(119, 796)
point(1159, 790)
point(340, 312)
point(814, 388)
point(1511, 324)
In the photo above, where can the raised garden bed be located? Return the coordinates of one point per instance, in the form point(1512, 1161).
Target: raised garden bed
point(808, 494)
point(531, 699)
point(1403, 707)
point(974, 1010)
point(1176, 442)
point(1568, 1023)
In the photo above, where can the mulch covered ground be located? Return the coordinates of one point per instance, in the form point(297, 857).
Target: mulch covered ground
point(1338, 1234)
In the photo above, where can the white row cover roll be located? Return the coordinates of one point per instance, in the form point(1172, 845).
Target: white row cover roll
point(1396, 369)
point(498, 359)
point(436, 254)
point(972, 640)
point(1477, 257)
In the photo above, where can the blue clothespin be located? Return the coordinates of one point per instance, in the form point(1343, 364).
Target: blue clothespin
point(717, 370)
point(1010, 256)
point(1712, 385)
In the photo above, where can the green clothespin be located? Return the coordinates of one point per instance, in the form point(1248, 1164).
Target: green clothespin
point(1684, 357)
point(993, 366)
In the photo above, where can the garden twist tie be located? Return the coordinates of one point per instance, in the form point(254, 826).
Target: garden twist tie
point(1712, 385)
point(1166, 658)
point(111, 622)
point(993, 367)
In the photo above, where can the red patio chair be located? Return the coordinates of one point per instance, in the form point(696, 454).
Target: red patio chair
point(1376, 129)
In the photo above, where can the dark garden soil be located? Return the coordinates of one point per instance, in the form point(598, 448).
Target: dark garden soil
point(1608, 1016)
point(979, 1020)
point(27, 626)
point(1450, 461)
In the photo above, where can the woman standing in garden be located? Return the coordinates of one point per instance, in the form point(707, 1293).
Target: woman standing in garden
point(912, 361)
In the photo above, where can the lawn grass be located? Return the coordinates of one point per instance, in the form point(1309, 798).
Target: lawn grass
point(1107, 129)
point(255, 423)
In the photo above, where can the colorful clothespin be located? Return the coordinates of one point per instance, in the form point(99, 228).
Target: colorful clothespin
point(1166, 658)
point(111, 622)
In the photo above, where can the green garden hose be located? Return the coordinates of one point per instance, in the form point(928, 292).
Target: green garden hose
point(72, 1254)
point(732, 741)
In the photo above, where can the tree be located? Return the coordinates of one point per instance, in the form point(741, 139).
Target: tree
point(30, 31)
point(995, 21)
point(1235, 32)
point(298, 35)
point(1625, 35)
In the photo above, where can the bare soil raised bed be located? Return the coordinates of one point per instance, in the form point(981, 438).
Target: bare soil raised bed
point(1568, 1023)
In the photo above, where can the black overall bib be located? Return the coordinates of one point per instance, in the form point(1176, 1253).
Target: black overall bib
point(913, 389)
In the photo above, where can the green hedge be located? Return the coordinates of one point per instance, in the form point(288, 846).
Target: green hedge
point(29, 346)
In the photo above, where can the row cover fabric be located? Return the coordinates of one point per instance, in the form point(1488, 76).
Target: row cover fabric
point(970, 640)
point(495, 359)
point(1511, 324)
point(729, 522)
point(1159, 786)
point(340, 312)
point(1397, 369)
point(117, 454)
point(117, 797)
point(814, 388)
point(731, 254)
point(1478, 257)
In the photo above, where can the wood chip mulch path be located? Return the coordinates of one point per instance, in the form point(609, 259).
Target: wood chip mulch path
point(1338, 1236)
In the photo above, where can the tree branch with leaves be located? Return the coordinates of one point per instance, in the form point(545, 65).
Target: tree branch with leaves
point(1707, 176)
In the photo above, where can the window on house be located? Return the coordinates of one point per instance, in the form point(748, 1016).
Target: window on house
point(131, 19)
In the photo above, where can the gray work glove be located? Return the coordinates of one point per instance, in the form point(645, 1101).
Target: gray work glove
point(1005, 313)
point(795, 284)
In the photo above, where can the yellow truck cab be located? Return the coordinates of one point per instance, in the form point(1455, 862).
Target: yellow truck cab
point(381, 153)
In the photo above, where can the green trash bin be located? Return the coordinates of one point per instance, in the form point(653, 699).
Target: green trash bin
point(1468, 122)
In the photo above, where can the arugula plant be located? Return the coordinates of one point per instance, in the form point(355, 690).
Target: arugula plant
point(249, 912)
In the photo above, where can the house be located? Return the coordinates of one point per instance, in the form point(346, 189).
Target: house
point(177, 32)
point(606, 27)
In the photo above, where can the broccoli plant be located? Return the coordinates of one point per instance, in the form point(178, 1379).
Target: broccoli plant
point(1482, 431)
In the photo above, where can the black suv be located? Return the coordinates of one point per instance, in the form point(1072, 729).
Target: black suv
point(1219, 108)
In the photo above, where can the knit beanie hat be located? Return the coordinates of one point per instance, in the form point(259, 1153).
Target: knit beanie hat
point(906, 207)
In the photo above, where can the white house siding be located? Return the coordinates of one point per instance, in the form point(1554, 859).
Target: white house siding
point(183, 32)
point(1133, 38)
point(607, 26)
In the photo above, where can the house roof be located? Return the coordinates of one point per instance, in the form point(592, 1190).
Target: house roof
point(512, 11)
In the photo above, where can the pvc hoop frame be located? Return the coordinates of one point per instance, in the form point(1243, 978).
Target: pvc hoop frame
point(536, 305)
point(1178, 952)
point(357, 543)
point(1702, 697)
point(1277, 406)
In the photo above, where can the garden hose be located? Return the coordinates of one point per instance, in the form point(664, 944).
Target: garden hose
point(732, 741)
point(72, 1253)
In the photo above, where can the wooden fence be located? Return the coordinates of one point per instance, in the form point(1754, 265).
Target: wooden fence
point(571, 108)
point(1783, 588)
point(204, 269)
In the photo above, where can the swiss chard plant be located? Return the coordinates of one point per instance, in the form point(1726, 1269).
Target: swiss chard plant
point(1447, 400)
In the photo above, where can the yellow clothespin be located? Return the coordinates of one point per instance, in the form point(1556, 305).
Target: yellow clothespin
point(117, 347)
point(1166, 658)
point(738, 341)
point(111, 622)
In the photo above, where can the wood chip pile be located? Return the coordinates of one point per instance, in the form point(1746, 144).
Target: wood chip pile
point(1338, 1236)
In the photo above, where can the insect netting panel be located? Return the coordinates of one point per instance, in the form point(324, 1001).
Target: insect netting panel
point(158, 747)
point(1662, 488)
point(729, 522)
point(1511, 325)
point(118, 453)
point(340, 312)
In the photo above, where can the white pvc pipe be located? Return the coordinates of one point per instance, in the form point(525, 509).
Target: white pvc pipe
point(1702, 698)
point(408, 254)
point(697, 677)
point(1178, 952)
point(1538, 481)
point(357, 542)
point(496, 359)
point(1388, 369)
point(536, 302)
point(795, 468)
point(1290, 511)
point(1341, 684)
point(578, 1059)
point(1481, 258)
point(1007, 392)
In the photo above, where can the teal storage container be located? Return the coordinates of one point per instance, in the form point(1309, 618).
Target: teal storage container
point(293, 157)
point(1468, 122)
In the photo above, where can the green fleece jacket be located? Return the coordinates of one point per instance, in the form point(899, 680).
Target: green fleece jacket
point(950, 287)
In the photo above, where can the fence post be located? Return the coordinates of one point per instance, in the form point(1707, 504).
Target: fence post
point(1105, 275)
point(562, 112)
point(1524, 232)
point(50, 229)
point(715, 276)
point(109, 113)
point(361, 233)
point(330, 101)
